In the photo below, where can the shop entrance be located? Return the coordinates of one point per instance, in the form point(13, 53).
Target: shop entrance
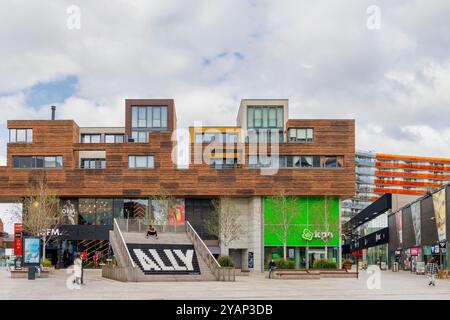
point(314, 255)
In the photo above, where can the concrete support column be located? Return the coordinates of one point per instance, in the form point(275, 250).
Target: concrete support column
point(297, 257)
point(255, 233)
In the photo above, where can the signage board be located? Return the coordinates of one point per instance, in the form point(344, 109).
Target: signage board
point(17, 239)
point(31, 251)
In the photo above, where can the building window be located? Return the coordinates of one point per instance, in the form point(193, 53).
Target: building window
point(331, 162)
point(86, 211)
point(265, 117)
point(305, 135)
point(114, 138)
point(141, 162)
point(217, 137)
point(21, 135)
point(93, 163)
point(149, 117)
point(140, 136)
point(91, 138)
point(37, 162)
point(297, 162)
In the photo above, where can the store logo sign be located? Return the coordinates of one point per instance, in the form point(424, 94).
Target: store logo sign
point(309, 235)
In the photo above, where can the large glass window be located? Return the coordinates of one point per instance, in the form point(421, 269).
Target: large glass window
point(141, 162)
point(303, 162)
point(104, 211)
point(37, 162)
point(21, 135)
point(86, 211)
point(265, 117)
point(149, 117)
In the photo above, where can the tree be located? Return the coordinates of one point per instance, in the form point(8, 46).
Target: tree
point(167, 203)
point(224, 221)
point(40, 210)
point(284, 209)
point(324, 223)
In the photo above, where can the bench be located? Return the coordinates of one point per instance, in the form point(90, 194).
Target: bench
point(337, 273)
point(312, 274)
point(23, 273)
point(295, 274)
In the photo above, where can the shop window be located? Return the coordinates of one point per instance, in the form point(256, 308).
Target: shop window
point(86, 211)
point(104, 211)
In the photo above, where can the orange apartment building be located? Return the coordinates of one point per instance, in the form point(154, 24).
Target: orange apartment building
point(379, 173)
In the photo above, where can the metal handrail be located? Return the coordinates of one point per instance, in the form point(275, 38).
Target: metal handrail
point(116, 225)
point(212, 261)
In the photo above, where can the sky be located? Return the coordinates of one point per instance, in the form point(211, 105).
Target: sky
point(208, 55)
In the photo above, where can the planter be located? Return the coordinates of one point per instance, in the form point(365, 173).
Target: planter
point(347, 266)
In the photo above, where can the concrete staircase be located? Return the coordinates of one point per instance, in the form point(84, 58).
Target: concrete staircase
point(133, 250)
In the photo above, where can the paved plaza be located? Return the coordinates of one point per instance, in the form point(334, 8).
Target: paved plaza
point(400, 285)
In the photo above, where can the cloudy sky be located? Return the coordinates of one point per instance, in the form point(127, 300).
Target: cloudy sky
point(207, 55)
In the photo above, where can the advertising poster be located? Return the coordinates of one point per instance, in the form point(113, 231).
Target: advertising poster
point(399, 226)
point(415, 212)
point(31, 251)
point(69, 211)
point(176, 214)
point(439, 214)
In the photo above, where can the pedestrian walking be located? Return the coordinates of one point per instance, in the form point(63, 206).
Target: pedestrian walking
point(83, 257)
point(78, 267)
point(272, 267)
point(432, 269)
point(95, 258)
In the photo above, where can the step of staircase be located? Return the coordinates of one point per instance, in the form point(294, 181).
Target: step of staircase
point(170, 241)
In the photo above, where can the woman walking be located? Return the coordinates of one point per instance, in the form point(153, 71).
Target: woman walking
point(432, 270)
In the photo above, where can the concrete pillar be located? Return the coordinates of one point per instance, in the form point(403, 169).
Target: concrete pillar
point(297, 257)
point(256, 233)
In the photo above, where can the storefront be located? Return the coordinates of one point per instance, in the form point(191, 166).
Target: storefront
point(312, 225)
point(418, 231)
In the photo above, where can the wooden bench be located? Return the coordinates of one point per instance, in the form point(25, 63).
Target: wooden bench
point(337, 273)
point(295, 274)
point(443, 274)
point(23, 273)
point(312, 274)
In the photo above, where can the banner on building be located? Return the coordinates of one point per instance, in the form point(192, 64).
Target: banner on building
point(69, 209)
point(415, 212)
point(439, 214)
point(399, 226)
point(17, 239)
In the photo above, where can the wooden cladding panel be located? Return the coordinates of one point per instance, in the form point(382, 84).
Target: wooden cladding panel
point(58, 138)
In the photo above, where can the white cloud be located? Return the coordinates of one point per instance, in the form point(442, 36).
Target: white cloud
point(208, 55)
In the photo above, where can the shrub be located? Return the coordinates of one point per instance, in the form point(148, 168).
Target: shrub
point(324, 264)
point(46, 263)
point(285, 264)
point(225, 261)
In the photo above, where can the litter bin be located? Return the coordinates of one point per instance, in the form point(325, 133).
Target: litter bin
point(31, 273)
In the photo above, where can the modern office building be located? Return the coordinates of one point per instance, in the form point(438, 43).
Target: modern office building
point(102, 175)
point(377, 174)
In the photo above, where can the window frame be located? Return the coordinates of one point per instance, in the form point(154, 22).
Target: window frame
point(132, 161)
point(28, 135)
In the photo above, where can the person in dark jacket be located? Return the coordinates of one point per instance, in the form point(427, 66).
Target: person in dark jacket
point(432, 269)
point(272, 267)
point(152, 232)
